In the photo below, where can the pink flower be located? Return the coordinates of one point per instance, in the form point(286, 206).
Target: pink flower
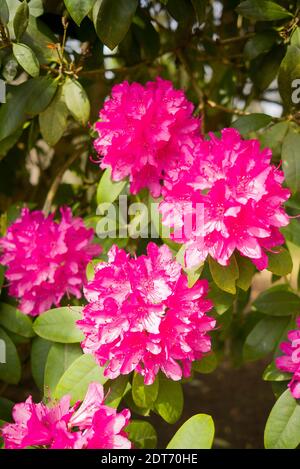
point(146, 132)
point(290, 362)
point(239, 194)
point(59, 426)
point(142, 316)
point(46, 260)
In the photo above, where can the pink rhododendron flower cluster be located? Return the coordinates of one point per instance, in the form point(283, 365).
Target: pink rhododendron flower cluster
point(290, 362)
point(91, 425)
point(146, 132)
point(142, 316)
point(46, 260)
point(241, 195)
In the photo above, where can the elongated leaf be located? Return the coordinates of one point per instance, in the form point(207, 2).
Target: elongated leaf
point(108, 190)
point(59, 325)
point(53, 121)
point(272, 373)
point(196, 433)
point(83, 371)
point(10, 371)
point(291, 160)
point(246, 272)
point(283, 426)
point(262, 10)
point(21, 19)
point(113, 19)
point(78, 9)
point(288, 72)
point(280, 263)
point(264, 338)
point(115, 389)
point(251, 123)
point(27, 59)
point(144, 395)
point(15, 321)
point(142, 434)
point(259, 44)
point(277, 303)
point(4, 12)
point(225, 277)
point(39, 353)
point(60, 357)
point(42, 93)
point(76, 100)
point(169, 402)
point(207, 364)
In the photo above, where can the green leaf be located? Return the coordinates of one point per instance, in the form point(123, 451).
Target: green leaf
point(115, 389)
point(59, 325)
point(259, 44)
point(21, 19)
point(39, 353)
point(142, 434)
point(36, 8)
point(273, 137)
point(6, 407)
point(113, 19)
point(108, 190)
point(53, 121)
point(10, 371)
point(265, 68)
point(59, 359)
point(246, 272)
point(251, 123)
point(295, 38)
point(280, 263)
point(262, 10)
point(221, 300)
point(15, 321)
point(207, 364)
point(272, 373)
point(225, 276)
point(291, 160)
point(169, 402)
point(76, 100)
point(43, 91)
point(277, 303)
point(283, 426)
point(144, 395)
point(75, 381)
point(264, 338)
point(27, 59)
point(4, 12)
point(9, 142)
point(196, 433)
point(79, 9)
point(289, 71)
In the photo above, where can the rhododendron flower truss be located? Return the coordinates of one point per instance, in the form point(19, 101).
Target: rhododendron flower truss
point(46, 259)
point(91, 425)
point(290, 361)
point(240, 194)
point(142, 316)
point(146, 132)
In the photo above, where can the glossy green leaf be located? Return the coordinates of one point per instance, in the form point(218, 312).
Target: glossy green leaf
point(246, 272)
point(4, 12)
point(113, 19)
point(291, 160)
point(207, 364)
point(27, 59)
point(108, 190)
point(20, 20)
point(15, 321)
point(53, 121)
point(264, 337)
point(75, 381)
point(76, 100)
point(78, 9)
point(10, 370)
point(272, 373)
point(169, 402)
point(283, 426)
point(39, 353)
point(259, 44)
point(288, 72)
point(225, 276)
point(277, 303)
point(144, 395)
point(262, 10)
point(141, 434)
point(43, 91)
point(196, 433)
point(251, 123)
point(59, 325)
point(59, 359)
point(222, 301)
point(115, 389)
point(280, 263)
